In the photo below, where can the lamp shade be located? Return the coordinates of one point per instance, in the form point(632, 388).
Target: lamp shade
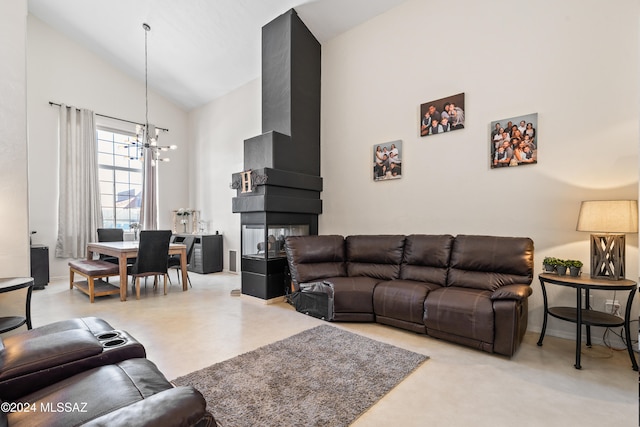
point(608, 216)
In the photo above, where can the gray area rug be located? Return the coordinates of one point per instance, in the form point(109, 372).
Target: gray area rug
point(320, 377)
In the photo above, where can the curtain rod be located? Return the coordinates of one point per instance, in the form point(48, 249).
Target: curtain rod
point(110, 117)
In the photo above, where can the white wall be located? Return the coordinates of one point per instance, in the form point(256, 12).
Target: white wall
point(14, 213)
point(574, 62)
point(217, 134)
point(62, 71)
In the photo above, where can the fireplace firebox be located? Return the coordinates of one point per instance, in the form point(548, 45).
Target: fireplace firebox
point(264, 261)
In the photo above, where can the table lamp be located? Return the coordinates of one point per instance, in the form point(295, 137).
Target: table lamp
point(608, 221)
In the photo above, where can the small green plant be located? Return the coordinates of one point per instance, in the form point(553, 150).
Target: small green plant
point(549, 264)
point(574, 266)
point(561, 267)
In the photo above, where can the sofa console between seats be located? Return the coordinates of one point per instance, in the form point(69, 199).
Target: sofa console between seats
point(471, 290)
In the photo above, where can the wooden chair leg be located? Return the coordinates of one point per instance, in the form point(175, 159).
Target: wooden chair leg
point(92, 292)
point(138, 287)
point(165, 283)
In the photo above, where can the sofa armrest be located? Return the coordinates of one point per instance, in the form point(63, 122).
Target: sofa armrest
point(40, 353)
point(515, 292)
point(179, 406)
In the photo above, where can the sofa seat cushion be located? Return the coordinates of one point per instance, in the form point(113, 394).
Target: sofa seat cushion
point(401, 300)
point(461, 312)
point(353, 294)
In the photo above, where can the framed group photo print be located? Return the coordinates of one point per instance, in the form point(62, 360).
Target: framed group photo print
point(514, 141)
point(387, 163)
point(442, 115)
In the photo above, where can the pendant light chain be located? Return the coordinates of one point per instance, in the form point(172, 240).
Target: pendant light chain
point(147, 28)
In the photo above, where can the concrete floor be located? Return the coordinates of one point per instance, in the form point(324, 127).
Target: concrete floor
point(458, 386)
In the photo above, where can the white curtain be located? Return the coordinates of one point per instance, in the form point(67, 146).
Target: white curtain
point(149, 205)
point(79, 212)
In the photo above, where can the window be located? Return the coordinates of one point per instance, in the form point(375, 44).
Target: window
point(120, 179)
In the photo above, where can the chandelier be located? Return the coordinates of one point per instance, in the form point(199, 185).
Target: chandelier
point(146, 143)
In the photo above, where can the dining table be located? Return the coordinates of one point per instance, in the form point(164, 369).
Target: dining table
point(129, 249)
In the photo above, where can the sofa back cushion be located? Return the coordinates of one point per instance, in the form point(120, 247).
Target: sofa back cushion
point(490, 262)
point(315, 257)
point(376, 256)
point(426, 258)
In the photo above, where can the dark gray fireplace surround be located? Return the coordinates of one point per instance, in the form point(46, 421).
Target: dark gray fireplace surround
point(278, 192)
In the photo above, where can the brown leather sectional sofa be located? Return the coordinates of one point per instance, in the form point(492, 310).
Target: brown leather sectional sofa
point(83, 372)
point(471, 290)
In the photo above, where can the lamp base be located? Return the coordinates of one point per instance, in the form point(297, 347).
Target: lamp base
point(607, 256)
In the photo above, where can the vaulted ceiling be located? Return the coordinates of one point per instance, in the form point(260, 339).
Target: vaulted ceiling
point(198, 50)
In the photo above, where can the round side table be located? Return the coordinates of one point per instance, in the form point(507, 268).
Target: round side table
point(10, 284)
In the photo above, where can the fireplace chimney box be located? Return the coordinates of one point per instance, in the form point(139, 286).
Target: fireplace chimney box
point(270, 150)
point(291, 64)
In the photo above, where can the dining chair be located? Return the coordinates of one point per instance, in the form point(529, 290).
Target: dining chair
point(110, 235)
point(153, 254)
point(174, 261)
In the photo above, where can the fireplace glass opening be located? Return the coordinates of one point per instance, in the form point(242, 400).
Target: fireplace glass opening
point(267, 242)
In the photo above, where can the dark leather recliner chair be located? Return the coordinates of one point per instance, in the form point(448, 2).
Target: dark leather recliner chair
point(36, 358)
point(485, 301)
point(132, 393)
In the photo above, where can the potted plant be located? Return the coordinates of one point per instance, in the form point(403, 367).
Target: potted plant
point(184, 217)
point(561, 267)
point(549, 264)
point(574, 267)
point(135, 227)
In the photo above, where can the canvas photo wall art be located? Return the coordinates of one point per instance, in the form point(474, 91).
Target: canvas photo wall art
point(387, 163)
point(514, 141)
point(442, 115)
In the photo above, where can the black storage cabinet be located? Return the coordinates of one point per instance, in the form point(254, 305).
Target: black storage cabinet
point(40, 266)
point(207, 252)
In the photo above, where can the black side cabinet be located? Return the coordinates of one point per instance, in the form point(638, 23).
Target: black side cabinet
point(40, 266)
point(207, 253)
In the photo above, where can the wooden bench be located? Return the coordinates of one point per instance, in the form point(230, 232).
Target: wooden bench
point(92, 270)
